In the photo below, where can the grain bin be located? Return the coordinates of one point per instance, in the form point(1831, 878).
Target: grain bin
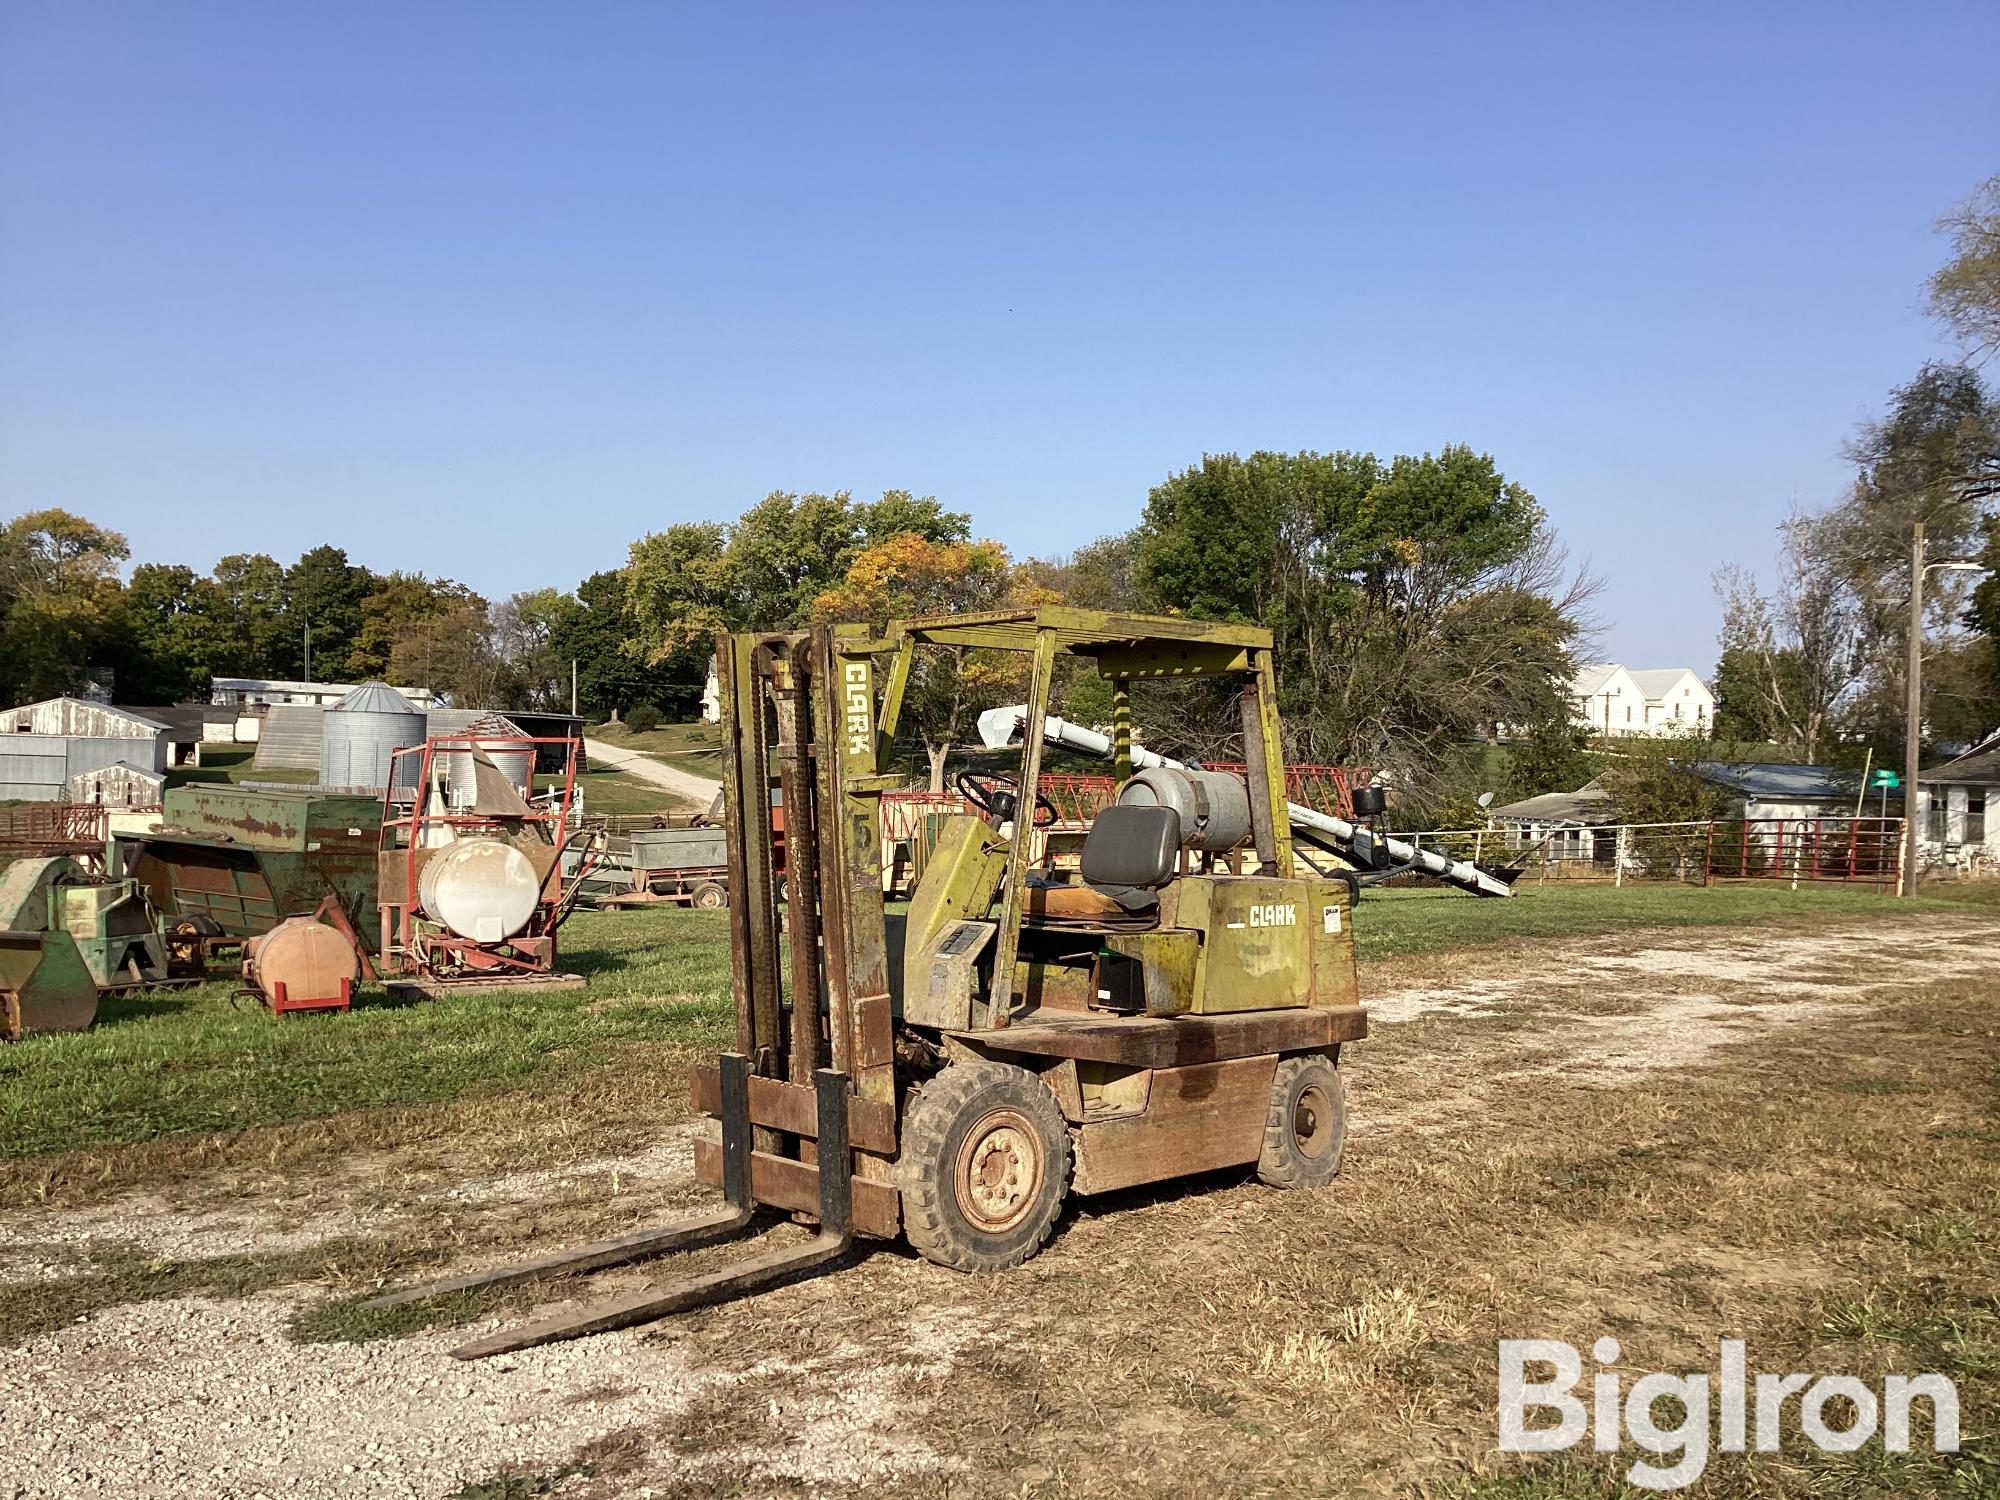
point(489, 733)
point(359, 733)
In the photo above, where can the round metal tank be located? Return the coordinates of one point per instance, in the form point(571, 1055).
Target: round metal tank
point(488, 732)
point(358, 733)
point(482, 889)
point(306, 956)
point(1214, 805)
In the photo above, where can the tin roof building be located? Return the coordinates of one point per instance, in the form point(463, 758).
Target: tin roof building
point(43, 745)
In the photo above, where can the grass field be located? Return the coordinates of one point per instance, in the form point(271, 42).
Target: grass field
point(1717, 1122)
point(205, 1060)
point(230, 764)
point(694, 748)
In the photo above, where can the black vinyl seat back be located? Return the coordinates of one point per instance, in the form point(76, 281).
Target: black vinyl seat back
point(1131, 851)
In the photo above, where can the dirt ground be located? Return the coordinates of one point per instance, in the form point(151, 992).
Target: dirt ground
point(1675, 1138)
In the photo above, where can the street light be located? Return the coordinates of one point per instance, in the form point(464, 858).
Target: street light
point(1913, 716)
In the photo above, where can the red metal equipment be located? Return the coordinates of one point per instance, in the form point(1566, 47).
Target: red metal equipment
point(471, 871)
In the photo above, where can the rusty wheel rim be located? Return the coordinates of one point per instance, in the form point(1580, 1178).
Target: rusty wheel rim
point(998, 1175)
point(1312, 1121)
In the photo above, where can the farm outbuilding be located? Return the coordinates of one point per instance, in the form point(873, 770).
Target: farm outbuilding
point(1564, 825)
point(1764, 789)
point(119, 785)
point(1955, 806)
point(187, 727)
point(43, 745)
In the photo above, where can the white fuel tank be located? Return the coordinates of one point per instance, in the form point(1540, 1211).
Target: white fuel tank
point(482, 889)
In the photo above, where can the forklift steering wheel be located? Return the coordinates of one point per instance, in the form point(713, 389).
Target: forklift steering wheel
point(999, 797)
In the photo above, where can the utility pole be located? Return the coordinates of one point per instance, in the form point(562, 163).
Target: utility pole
point(1914, 710)
point(1912, 730)
point(308, 672)
point(572, 684)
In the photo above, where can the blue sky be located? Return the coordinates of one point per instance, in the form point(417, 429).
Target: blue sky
point(490, 290)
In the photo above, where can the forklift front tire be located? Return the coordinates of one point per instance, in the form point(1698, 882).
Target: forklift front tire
point(1307, 1126)
point(984, 1167)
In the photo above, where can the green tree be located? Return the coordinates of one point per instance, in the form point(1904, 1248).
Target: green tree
point(175, 632)
point(1415, 604)
point(613, 673)
point(399, 605)
point(908, 576)
point(1550, 754)
point(1650, 780)
point(323, 595)
point(55, 552)
point(50, 642)
point(678, 593)
point(59, 603)
point(526, 628)
point(1965, 290)
point(250, 601)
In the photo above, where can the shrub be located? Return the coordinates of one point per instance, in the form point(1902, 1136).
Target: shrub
point(643, 719)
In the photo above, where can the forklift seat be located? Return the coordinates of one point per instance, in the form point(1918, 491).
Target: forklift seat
point(1132, 848)
point(1129, 853)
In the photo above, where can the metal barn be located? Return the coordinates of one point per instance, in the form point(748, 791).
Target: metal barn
point(42, 745)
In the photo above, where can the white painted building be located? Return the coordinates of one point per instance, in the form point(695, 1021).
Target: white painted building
point(1611, 699)
point(1958, 810)
point(244, 692)
point(42, 745)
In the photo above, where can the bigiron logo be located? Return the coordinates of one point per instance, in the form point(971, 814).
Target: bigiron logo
point(1751, 1409)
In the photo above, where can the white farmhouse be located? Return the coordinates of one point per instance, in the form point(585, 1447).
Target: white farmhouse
point(1611, 699)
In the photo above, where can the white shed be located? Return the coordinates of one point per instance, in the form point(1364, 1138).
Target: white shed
point(42, 745)
point(118, 785)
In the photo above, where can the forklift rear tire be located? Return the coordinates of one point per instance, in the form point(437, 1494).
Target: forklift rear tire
point(984, 1167)
point(1307, 1126)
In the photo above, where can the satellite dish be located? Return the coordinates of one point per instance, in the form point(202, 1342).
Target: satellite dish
point(1485, 799)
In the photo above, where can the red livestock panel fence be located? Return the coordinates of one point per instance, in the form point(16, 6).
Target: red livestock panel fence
point(1863, 851)
point(54, 828)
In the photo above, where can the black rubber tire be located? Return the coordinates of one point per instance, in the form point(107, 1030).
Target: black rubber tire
point(1306, 1092)
point(710, 897)
point(970, 1115)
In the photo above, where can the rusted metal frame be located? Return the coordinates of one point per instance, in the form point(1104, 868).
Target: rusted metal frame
point(732, 691)
point(1257, 773)
point(893, 688)
point(758, 897)
point(855, 812)
point(826, 710)
point(642, 1244)
point(871, 1124)
point(791, 678)
point(1014, 889)
point(1270, 788)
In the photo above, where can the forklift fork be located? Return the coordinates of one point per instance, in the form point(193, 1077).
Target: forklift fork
point(836, 1234)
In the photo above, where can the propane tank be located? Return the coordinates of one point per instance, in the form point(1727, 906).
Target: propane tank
point(315, 965)
point(481, 888)
point(1214, 805)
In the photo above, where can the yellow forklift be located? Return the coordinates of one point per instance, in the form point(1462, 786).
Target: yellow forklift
point(948, 1074)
